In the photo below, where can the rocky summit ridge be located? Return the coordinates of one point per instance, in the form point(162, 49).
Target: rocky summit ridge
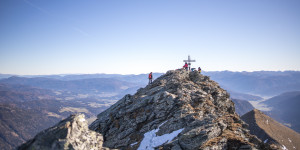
point(179, 110)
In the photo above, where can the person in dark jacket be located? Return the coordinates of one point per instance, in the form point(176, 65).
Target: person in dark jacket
point(199, 69)
point(150, 78)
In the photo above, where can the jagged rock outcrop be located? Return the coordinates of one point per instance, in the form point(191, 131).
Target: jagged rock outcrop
point(180, 110)
point(71, 133)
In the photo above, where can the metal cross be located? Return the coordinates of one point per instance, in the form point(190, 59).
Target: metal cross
point(189, 61)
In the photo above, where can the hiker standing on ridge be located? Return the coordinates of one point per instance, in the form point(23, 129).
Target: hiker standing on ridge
point(185, 66)
point(199, 69)
point(150, 78)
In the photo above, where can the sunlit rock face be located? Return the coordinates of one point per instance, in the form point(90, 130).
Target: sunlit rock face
point(71, 133)
point(179, 110)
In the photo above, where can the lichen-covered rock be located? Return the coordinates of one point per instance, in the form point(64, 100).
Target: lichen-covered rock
point(71, 133)
point(180, 110)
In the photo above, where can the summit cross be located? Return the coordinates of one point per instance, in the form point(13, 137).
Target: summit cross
point(189, 61)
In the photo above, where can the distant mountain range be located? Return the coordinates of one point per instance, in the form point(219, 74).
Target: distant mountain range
point(83, 86)
point(2, 76)
point(271, 131)
point(141, 78)
point(285, 109)
point(264, 83)
point(243, 96)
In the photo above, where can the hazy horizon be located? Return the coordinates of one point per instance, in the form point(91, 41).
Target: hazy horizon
point(62, 74)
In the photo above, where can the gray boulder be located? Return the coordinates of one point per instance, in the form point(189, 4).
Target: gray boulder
point(71, 133)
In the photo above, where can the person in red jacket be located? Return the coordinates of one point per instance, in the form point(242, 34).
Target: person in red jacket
point(150, 78)
point(186, 66)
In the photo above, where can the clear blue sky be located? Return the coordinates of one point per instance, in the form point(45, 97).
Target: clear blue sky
point(132, 37)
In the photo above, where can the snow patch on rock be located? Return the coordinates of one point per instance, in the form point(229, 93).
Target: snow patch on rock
point(133, 144)
point(81, 119)
point(284, 148)
point(151, 140)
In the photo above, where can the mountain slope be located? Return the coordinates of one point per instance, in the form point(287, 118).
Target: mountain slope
point(21, 93)
point(19, 125)
point(242, 106)
point(271, 131)
point(285, 109)
point(180, 110)
point(277, 100)
point(242, 96)
point(25, 111)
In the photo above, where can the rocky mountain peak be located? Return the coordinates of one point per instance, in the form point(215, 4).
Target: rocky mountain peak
point(71, 133)
point(179, 110)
